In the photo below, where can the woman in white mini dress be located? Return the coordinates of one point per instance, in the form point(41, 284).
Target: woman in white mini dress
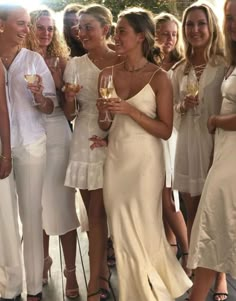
point(85, 168)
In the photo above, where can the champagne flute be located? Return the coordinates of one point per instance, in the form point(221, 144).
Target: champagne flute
point(31, 78)
point(74, 86)
point(192, 89)
point(106, 89)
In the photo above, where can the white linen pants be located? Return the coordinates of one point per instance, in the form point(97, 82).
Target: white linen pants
point(10, 249)
point(29, 168)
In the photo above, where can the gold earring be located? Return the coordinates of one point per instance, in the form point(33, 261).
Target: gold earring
point(1, 30)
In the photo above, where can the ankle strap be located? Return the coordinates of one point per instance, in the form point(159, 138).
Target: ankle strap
point(70, 270)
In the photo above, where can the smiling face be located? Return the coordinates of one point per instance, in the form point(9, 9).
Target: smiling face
point(167, 36)
point(230, 20)
point(196, 29)
point(16, 26)
point(91, 32)
point(126, 39)
point(44, 30)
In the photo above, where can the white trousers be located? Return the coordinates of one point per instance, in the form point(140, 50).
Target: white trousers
point(10, 249)
point(29, 168)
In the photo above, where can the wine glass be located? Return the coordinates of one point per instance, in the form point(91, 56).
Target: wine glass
point(193, 88)
point(74, 86)
point(106, 89)
point(31, 78)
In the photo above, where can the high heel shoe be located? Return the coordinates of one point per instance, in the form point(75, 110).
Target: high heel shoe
point(105, 293)
point(94, 294)
point(47, 269)
point(71, 293)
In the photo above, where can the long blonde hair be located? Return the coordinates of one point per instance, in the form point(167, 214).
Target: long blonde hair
point(57, 47)
point(177, 53)
point(214, 47)
point(230, 46)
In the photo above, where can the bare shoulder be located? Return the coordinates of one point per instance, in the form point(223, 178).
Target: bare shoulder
point(159, 79)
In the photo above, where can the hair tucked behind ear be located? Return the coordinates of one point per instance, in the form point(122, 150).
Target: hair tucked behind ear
point(141, 21)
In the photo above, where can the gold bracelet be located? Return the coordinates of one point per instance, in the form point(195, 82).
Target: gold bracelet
point(5, 158)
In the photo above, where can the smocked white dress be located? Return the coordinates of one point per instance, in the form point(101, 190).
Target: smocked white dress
point(85, 168)
point(213, 238)
point(59, 212)
point(133, 181)
point(194, 143)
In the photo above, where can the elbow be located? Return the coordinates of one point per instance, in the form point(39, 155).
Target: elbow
point(166, 134)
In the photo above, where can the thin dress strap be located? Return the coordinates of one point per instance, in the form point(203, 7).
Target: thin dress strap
point(154, 74)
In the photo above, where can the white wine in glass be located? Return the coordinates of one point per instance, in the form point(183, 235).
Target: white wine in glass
point(31, 78)
point(106, 90)
point(75, 87)
point(193, 88)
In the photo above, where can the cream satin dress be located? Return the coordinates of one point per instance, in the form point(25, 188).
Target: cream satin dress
point(213, 239)
point(133, 181)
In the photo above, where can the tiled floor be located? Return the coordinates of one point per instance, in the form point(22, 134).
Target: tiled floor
point(54, 292)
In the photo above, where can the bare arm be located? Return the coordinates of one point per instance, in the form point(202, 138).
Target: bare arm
point(225, 122)
point(5, 159)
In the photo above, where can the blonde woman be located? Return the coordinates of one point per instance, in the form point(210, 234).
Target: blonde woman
point(28, 102)
point(210, 239)
point(85, 168)
point(59, 213)
point(9, 235)
point(197, 95)
point(170, 46)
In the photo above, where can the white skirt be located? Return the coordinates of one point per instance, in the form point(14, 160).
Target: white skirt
point(59, 211)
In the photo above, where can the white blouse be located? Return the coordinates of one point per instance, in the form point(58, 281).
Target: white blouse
point(27, 123)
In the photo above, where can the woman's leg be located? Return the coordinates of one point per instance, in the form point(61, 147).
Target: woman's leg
point(220, 287)
point(177, 223)
point(202, 283)
point(97, 239)
point(68, 242)
point(191, 205)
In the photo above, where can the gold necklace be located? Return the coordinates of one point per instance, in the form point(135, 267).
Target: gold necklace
point(135, 69)
point(96, 60)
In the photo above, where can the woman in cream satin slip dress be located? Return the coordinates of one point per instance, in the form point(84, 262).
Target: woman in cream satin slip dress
point(134, 168)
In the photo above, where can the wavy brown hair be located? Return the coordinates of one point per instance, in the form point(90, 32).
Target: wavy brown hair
point(214, 47)
point(57, 47)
